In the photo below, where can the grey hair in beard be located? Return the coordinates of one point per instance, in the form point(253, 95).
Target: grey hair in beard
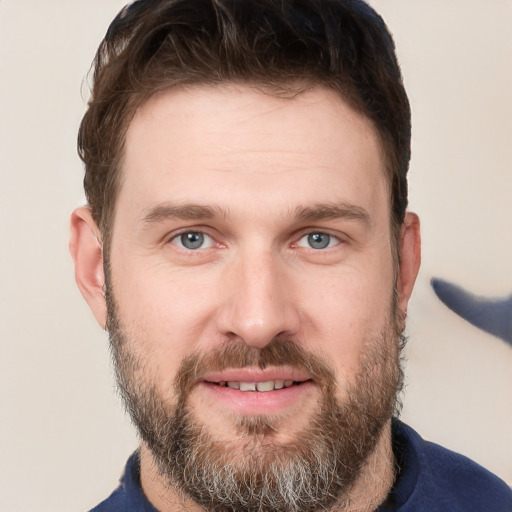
point(254, 472)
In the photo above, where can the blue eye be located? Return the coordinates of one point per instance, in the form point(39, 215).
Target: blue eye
point(318, 240)
point(192, 240)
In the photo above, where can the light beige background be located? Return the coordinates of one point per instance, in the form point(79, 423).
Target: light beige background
point(63, 436)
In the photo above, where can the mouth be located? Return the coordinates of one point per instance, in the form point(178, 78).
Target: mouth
point(256, 392)
point(261, 386)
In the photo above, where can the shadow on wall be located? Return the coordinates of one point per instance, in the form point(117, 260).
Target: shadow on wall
point(492, 315)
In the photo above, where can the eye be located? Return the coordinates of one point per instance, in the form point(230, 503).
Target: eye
point(318, 240)
point(192, 240)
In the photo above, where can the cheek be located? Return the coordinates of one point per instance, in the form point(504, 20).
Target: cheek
point(165, 315)
point(342, 311)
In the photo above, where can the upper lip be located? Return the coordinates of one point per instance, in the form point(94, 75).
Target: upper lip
point(256, 375)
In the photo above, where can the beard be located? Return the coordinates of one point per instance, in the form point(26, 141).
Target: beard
point(252, 470)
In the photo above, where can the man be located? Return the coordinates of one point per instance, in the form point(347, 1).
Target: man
point(247, 247)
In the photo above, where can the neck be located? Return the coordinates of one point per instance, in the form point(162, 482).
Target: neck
point(369, 491)
point(376, 479)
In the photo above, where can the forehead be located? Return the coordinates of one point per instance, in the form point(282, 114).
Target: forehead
point(221, 144)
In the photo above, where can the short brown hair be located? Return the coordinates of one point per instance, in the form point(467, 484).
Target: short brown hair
point(282, 46)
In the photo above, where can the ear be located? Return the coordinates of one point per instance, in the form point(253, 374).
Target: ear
point(410, 258)
point(86, 249)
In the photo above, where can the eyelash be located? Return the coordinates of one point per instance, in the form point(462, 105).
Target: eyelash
point(179, 237)
point(179, 241)
point(310, 234)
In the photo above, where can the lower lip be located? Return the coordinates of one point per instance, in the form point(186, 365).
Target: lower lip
point(258, 402)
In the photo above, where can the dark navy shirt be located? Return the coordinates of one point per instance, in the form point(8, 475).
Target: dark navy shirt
point(429, 479)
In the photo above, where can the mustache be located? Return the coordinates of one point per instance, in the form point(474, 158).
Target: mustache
point(237, 354)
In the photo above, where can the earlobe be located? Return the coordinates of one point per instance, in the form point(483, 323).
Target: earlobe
point(410, 258)
point(87, 253)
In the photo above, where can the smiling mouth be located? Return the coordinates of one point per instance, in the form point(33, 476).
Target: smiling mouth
point(262, 386)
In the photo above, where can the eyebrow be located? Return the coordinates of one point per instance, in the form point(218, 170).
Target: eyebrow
point(316, 212)
point(163, 212)
point(333, 211)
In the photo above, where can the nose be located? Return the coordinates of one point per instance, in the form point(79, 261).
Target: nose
point(259, 302)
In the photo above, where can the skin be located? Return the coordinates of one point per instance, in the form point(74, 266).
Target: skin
point(270, 171)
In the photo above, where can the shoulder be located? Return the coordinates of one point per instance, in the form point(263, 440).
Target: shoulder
point(128, 496)
point(447, 481)
point(115, 502)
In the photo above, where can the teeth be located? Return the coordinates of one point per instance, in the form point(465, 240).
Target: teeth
point(265, 386)
point(268, 385)
point(247, 386)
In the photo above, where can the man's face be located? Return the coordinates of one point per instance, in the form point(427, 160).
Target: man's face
point(251, 272)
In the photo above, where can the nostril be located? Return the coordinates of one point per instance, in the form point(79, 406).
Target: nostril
point(256, 322)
